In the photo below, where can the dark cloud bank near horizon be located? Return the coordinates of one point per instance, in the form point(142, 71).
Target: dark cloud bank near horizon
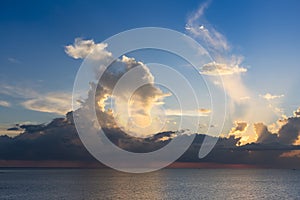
point(59, 141)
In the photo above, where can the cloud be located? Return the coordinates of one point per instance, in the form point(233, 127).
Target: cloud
point(11, 133)
point(269, 96)
point(17, 91)
point(193, 113)
point(216, 69)
point(240, 127)
point(59, 141)
point(204, 110)
point(297, 113)
point(5, 103)
point(52, 102)
point(246, 98)
point(13, 60)
point(242, 102)
point(207, 34)
point(263, 134)
point(56, 102)
point(288, 133)
point(294, 153)
point(56, 141)
point(82, 48)
point(134, 111)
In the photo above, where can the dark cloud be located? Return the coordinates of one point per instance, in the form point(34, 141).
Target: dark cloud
point(263, 134)
point(13, 129)
point(287, 134)
point(58, 140)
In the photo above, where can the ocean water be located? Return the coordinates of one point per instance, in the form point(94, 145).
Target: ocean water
point(89, 184)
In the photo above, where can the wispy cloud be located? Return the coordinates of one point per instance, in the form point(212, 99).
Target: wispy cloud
point(229, 66)
point(192, 113)
point(13, 60)
point(199, 28)
point(5, 103)
point(17, 91)
point(217, 69)
point(58, 102)
point(269, 96)
point(216, 43)
point(52, 102)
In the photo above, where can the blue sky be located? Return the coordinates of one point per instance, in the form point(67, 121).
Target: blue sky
point(34, 33)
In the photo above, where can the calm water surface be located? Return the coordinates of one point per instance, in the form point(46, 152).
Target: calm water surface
point(89, 184)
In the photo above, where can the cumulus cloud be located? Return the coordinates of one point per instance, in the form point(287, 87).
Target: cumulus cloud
point(134, 111)
point(288, 133)
point(216, 69)
point(5, 103)
point(269, 96)
point(137, 112)
point(82, 48)
point(263, 134)
point(239, 127)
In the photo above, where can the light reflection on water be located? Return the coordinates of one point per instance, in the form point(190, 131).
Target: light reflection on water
point(164, 184)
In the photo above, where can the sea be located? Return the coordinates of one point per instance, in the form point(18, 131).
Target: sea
point(86, 184)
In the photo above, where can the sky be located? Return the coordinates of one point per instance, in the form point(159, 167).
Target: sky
point(259, 38)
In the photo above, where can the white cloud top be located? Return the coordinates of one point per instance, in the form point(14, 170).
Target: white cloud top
point(82, 48)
